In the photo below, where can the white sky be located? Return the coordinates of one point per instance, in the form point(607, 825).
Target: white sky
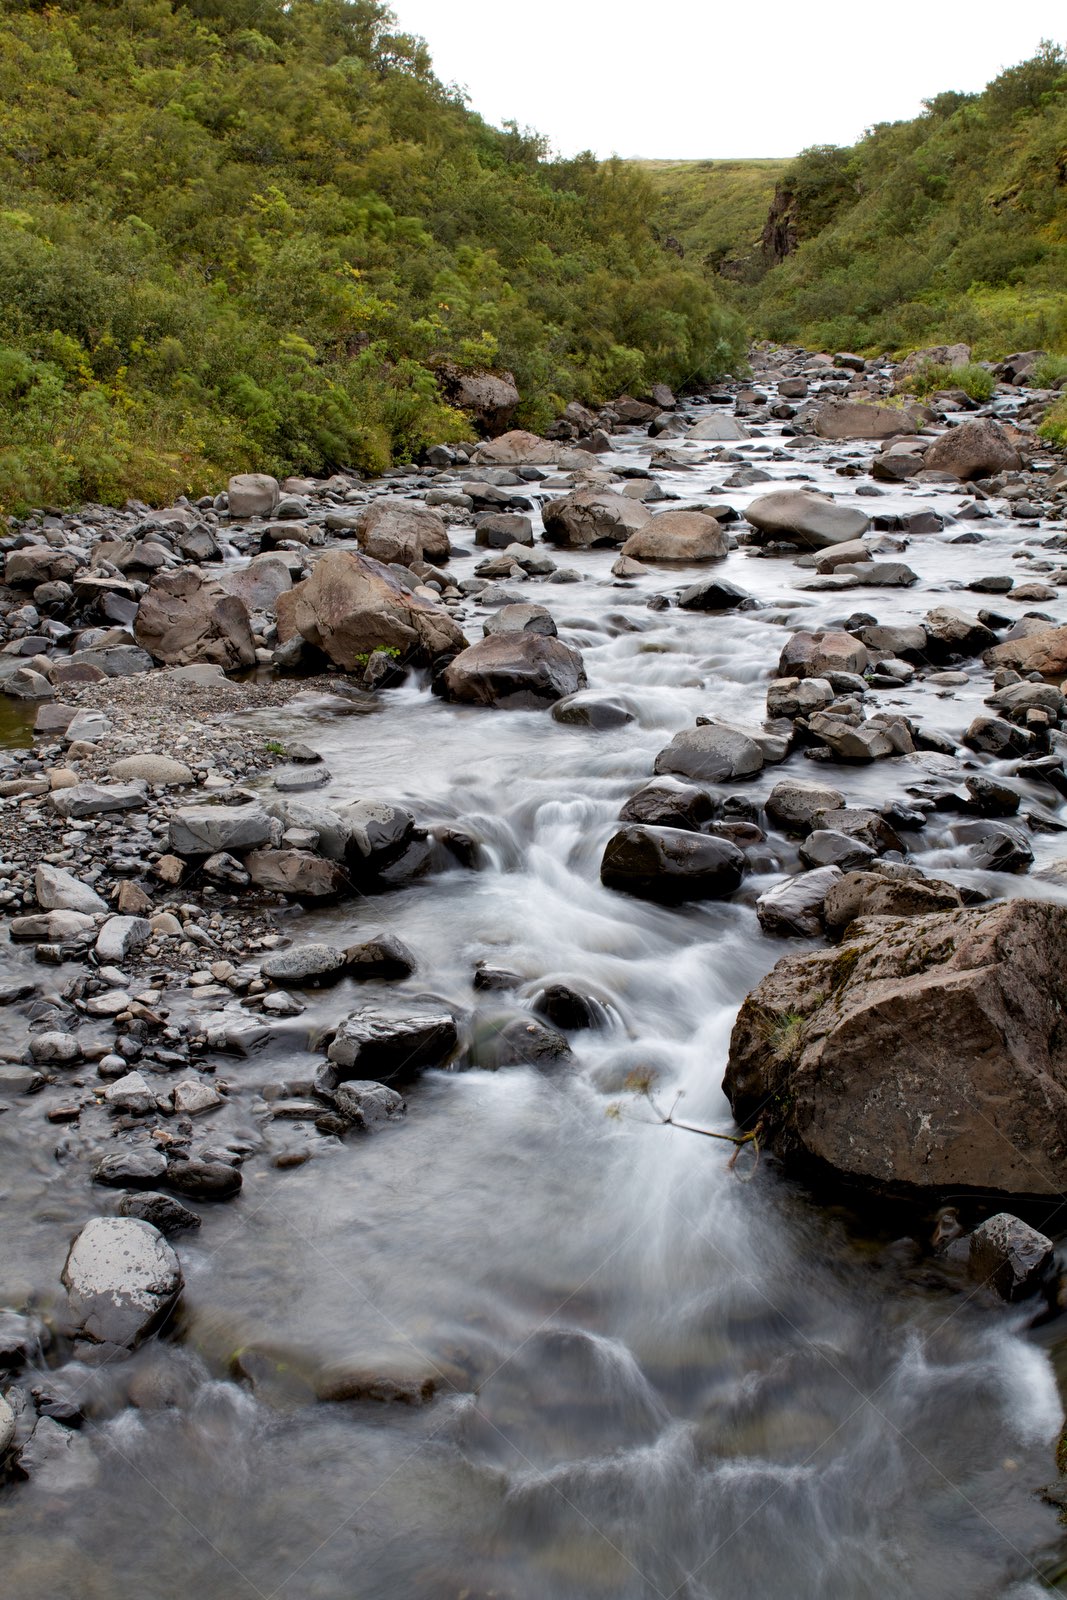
point(718, 78)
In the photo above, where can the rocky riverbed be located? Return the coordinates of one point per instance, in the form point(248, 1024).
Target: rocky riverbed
point(380, 863)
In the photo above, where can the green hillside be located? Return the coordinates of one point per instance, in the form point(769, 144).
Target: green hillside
point(715, 209)
point(246, 233)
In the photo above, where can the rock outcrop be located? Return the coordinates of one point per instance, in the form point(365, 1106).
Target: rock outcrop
point(187, 617)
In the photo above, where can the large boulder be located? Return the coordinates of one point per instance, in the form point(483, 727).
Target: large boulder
point(186, 617)
point(517, 449)
point(678, 536)
point(204, 830)
point(514, 669)
point(398, 531)
point(950, 633)
point(925, 1054)
point(252, 494)
point(671, 865)
point(934, 355)
point(260, 583)
point(718, 425)
point(122, 1277)
point(711, 753)
point(812, 655)
point(593, 517)
point(383, 1046)
point(802, 517)
point(1044, 652)
point(975, 449)
point(490, 401)
point(853, 419)
point(352, 605)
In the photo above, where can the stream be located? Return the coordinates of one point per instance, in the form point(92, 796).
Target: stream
point(645, 1375)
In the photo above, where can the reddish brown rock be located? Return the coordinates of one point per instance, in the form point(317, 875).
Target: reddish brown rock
point(352, 605)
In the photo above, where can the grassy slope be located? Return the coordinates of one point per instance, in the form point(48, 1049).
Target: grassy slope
point(245, 233)
point(716, 209)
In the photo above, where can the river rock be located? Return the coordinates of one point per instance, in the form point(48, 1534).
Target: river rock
point(7, 1427)
point(587, 709)
point(802, 517)
point(671, 865)
point(304, 966)
point(514, 670)
point(678, 536)
point(718, 425)
point(668, 803)
point(521, 618)
point(138, 1168)
point(851, 419)
point(120, 937)
point(794, 806)
point(57, 1459)
point(296, 872)
point(870, 894)
point(975, 449)
point(386, 1045)
point(186, 617)
point(205, 830)
point(368, 1104)
point(926, 1054)
point(352, 605)
point(873, 740)
point(57, 890)
point(951, 633)
point(161, 772)
point(1044, 652)
point(590, 517)
point(713, 594)
point(398, 531)
point(161, 1210)
point(712, 753)
point(203, 1180)
point(252, 494)
point(383, 956)
point(517, 449)
point(131, 1093)
point(121, 1278)
point(98, 799)
point(1010, 1257)
point(795, 907)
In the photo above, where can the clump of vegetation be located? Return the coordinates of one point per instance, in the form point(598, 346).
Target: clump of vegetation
point(245, 234)
point(976, 381)
point(1049, 370)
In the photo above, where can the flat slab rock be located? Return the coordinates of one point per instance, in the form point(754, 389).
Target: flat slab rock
point(121, 1277)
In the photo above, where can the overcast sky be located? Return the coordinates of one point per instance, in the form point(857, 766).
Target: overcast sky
point(700, 78)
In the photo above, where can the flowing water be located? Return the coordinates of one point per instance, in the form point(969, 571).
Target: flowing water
point(655, 1376)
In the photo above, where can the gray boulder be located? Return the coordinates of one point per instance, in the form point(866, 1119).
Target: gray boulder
point(712, 753)
point(671, 865)
point(802, 517)
point(121, 1278)
point(513, 670)
point(207, 829)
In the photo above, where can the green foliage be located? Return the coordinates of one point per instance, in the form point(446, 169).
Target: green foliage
point(950, 227)
point(975, 381)
point(244, 234)
point(715, 209)
point(1049, 370)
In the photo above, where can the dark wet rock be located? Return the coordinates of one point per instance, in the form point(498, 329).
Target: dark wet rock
point(712, 753)
point(951, 633)
point(996, 847)
point(996, 737)
point(122, 1278)
point(515, 1041)
point(567, 1008)
point(671, 865)
point(58, 1460)
point(827, 848)
point(489, 977)
point(163, 1212)
point(203, 1180)
point(368, 1104)
point(713, 594)
point(588, 709)
point(21, 1338)
point(513, 670)
point(1010, 1257)
point(927, 1054)
point(668, 803)
point(795, 908)
point(383, 956)
point(385, 1045)
point(498, 530)
point(139, 1168)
